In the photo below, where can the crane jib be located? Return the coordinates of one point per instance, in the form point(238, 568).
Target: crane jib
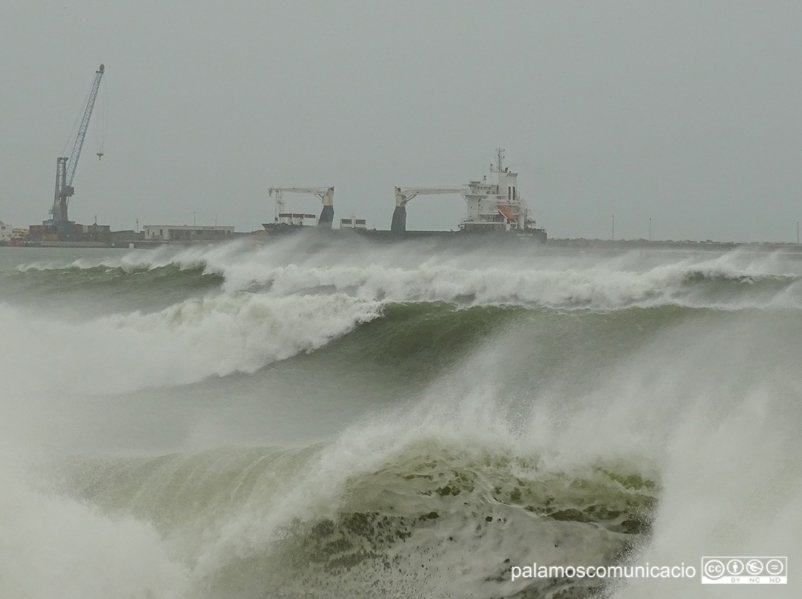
point(72, 163)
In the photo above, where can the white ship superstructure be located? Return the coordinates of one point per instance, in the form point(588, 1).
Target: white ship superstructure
point(496, 205)
point(492, 206)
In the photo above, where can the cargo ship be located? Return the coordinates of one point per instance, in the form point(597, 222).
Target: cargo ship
point(494, 208)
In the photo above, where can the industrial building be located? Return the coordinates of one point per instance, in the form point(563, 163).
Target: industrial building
point(6, 232)
point(70, 232)
point(187, 233)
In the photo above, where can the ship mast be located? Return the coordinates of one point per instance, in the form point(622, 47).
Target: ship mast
point(499, 159)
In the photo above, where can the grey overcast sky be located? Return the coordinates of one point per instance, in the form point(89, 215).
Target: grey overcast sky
point(687, 113)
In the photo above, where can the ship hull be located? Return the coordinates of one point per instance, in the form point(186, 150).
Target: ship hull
point(458, 237)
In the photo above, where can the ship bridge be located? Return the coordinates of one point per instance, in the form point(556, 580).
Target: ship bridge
point(495, 205)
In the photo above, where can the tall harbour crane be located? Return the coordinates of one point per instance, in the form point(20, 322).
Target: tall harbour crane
point(65, 167)
point(326, 195)
point(404, 194)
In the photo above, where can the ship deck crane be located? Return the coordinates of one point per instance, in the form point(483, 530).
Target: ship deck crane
point(326, 195)
point(65, 167)
point(402, 197)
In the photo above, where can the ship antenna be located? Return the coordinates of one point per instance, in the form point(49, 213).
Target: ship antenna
point(499, 158)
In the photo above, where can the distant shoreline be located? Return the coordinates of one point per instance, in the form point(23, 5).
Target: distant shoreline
point(685, 244)
point(572, 243)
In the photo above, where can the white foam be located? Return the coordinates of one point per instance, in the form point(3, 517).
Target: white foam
point(711, 411)
point(187, 342)
point(545, 279)
point(52, 546)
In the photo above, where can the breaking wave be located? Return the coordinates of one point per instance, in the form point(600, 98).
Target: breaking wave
point(391, 526)
point(730, 281)
point(118, 279)
point(500, 410)
point(185, 343)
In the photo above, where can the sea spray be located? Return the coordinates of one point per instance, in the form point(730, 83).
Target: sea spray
point(534, 278)
point(185, 343)
point(398, 423)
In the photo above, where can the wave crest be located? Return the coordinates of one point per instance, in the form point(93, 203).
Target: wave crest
point(406, 524)
point(734, 280)
point(184, 343)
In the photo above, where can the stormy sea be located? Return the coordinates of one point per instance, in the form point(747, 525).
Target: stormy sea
point(296, 420)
